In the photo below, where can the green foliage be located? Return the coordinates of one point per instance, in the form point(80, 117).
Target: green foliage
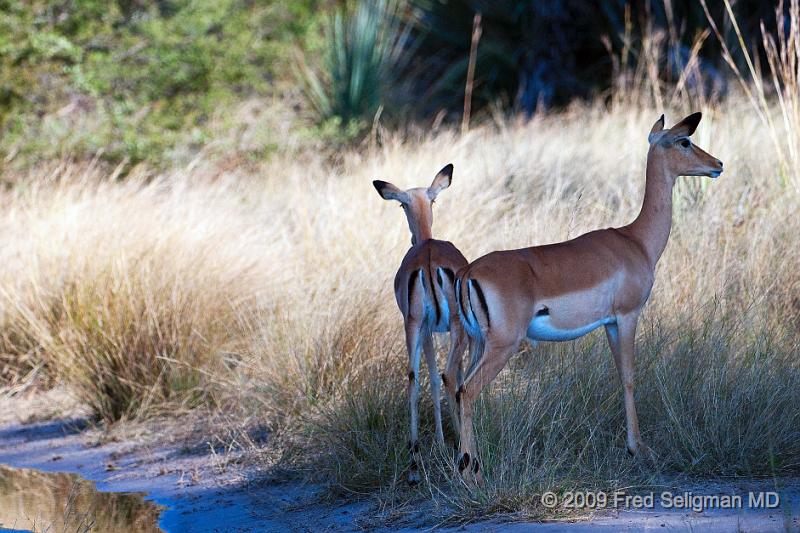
point(364, 50)
point(137, 81)
point(131, 80)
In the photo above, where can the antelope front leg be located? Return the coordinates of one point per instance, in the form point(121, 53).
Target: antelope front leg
point(436, 385)
point(494, 358)
point(453, 369)
point(621, 338)
point(413, 347)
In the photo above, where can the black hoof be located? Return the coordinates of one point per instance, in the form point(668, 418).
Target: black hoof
point(413, 475)
point(463, 462)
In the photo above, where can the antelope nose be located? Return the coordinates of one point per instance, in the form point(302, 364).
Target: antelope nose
point(719, 163)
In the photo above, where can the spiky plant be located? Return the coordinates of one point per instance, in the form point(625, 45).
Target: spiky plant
point(364, 51)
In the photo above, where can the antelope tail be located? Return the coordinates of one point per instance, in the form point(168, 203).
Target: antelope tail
point(431, 287)
point(472, 308)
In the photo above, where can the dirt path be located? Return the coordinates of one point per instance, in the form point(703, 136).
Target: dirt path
point(205, 492)
point(198, 492)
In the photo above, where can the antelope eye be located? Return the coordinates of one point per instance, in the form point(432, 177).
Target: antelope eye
point(685, 143)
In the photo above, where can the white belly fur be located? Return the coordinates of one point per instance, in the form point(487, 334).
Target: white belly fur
point(541, 329)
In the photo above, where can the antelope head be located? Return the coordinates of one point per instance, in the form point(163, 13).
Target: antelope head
point(417, 203)
point(680, 155)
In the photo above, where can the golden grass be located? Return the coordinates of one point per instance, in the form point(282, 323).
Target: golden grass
point(271, 293)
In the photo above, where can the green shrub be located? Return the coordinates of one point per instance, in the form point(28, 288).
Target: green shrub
point(129, 80)
point(364, 51)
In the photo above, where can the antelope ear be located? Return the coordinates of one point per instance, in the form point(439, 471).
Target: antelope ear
point(657, 128)
point(686, 127)
point(390, 192)
point(441, 181)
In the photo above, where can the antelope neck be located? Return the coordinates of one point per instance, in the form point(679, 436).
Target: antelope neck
point(651, 228)
point(421, 230)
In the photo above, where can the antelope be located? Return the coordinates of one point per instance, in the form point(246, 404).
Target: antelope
point(427, 306)
point(559, 292)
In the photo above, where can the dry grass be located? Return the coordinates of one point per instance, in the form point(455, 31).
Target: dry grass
point(778, 84)
point(128, 292)
point(271, 294)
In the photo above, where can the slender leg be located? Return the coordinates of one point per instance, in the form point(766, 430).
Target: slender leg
point(494, 358)
point(621, 337)
point(413, 346)
point(476, 349)
point(436, 384)
point(453, 369)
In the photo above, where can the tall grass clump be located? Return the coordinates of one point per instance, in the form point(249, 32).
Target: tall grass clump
point(712, 402)
point(135, 299)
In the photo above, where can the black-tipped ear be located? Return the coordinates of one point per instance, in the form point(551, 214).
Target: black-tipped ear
point(379, 185)
point(389, 191)
point(442, 181)
point(687, 126)
point(447, 170)
point(656, 129)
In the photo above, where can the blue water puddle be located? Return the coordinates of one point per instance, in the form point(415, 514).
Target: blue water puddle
point(32, 500)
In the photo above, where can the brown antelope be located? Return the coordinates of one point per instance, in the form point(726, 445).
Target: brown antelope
point(562, 291)
point(425, 293)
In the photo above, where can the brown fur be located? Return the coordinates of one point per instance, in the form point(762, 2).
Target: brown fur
point(424, 299)
point(601, 277)
point(427, 256)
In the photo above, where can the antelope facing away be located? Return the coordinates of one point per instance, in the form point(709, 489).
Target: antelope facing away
point(425, 293)
point(562, 291)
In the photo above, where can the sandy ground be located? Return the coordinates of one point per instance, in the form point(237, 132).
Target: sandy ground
point(205, 491)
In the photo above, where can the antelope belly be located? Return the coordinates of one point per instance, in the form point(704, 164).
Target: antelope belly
point(541, 328)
